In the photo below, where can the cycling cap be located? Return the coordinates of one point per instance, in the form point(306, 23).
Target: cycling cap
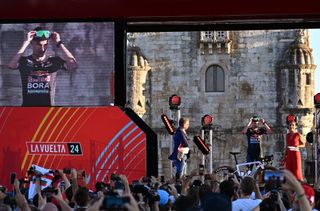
point(256, 118)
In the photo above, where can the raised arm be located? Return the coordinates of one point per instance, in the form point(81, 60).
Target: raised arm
point(14, 62)
point(244, 131)
point(66, 55)
point(291, 183)
point(265, 124)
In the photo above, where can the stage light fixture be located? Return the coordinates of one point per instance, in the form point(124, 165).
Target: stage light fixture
point(168, 123)
point(174, 102)
point(206, 120)
point(201, 144)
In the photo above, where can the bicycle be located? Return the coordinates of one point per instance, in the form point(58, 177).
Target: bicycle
point(242, 169)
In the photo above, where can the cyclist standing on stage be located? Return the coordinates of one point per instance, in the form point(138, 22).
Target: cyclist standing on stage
point(254, 135)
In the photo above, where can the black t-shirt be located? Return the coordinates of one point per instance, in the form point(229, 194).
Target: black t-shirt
point(254, 136)
point(39, 80)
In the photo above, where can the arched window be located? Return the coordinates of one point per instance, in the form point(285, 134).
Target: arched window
point(214, 79)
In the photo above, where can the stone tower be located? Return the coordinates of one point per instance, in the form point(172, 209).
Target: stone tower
point(297, 82)
point(138, 68)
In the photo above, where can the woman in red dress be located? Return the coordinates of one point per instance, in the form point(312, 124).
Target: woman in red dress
point(294, 141)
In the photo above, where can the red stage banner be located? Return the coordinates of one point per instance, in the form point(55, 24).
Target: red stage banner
point(99, 140)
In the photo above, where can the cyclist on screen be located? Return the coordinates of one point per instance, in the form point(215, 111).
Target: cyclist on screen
point(38, 71)
point(254, 135)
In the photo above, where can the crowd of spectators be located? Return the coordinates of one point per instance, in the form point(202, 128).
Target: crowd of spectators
point(69, 191)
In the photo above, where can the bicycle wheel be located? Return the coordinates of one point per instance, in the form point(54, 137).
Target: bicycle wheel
point(258, 175)
point(222, 172)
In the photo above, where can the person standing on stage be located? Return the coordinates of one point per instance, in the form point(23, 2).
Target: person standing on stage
point(254, 135)
point(292, 156)
point(181, 147)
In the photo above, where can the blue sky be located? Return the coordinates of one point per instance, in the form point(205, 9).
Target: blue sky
point(315, 45)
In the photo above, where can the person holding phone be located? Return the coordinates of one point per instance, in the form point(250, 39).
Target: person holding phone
point(38, 71)
point(181, 147)
point(294, 141)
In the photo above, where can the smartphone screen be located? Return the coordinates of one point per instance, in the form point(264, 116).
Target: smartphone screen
point(13, 176)
point(67, 170)
point(162, 179)
point(274, 177)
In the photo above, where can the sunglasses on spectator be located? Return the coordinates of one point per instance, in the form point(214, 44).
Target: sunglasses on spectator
point(43, 33)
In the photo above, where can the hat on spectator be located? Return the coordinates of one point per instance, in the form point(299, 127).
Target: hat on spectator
point(164, 197)
point(309, 192)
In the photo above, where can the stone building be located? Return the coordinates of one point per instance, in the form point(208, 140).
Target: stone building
point(230, 75)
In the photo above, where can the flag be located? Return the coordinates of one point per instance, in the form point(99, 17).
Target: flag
point(45, 180)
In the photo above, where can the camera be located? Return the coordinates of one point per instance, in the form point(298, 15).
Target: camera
point(118, 185)
point(274, 178)
point(114, 177)
point(114, 202)
point(274, 195)
point(67, 170)
point(201, 169)
point(100, 186)
point(148, 194)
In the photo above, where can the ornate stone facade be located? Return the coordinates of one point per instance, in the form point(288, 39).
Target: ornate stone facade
point(265, 72)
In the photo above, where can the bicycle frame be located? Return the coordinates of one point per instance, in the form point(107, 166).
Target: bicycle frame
point(258, 164)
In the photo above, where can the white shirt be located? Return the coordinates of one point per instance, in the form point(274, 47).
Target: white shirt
point(245, 204)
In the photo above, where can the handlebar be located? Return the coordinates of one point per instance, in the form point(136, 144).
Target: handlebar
point(266, 159)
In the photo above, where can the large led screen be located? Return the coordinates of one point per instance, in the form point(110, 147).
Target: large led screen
point(56, 64)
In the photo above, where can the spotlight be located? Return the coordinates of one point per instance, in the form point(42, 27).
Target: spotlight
point(168, 123)
point(206, 121)
point(317, 100)
point(174, 102)
point(203, 147)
